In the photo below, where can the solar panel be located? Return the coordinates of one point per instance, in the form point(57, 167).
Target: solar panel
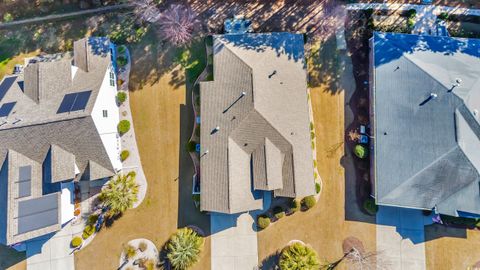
point(6, 84)
point(24, 181)
point(7, 108)
point(67, 103)
point(74, 102)
point(37, 213)
point(81, 101)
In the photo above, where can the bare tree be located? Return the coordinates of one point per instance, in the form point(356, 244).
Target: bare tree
point(146, 10)
point(177, 23)
point(358, 259)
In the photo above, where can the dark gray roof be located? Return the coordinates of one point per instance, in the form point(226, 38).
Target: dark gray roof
point(36, 136)
point(425, 121)
point(258, 99)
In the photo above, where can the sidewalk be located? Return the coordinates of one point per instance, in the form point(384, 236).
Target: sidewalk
point(66, 15)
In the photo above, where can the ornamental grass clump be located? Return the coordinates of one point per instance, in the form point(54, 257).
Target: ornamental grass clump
point(183, 248)
point(298, 256)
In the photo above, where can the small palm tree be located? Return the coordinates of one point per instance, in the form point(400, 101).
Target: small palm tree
point(184, 248)
point(298, 257)
point(119, 194)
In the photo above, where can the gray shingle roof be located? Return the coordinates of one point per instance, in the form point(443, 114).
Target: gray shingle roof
point(52, 143)
point(258, 100)
point(423, 120)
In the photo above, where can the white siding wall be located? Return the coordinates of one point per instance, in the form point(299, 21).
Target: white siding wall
point(107, 126)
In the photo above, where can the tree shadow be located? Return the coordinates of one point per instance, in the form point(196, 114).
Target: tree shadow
point(270, 262)
point(436, 231)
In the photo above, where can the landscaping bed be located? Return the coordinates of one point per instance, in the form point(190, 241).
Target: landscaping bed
point(466, 26)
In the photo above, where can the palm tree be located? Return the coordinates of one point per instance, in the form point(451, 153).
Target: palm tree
point(298, 257)
point(119, 194)
point(184, 248)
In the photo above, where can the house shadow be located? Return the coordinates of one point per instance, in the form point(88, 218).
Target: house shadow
point(188, 213)
point(9, 257)
point(270, 262)
point(435, 231)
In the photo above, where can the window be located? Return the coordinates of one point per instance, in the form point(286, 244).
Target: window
point(112, 78)
point(105, 113)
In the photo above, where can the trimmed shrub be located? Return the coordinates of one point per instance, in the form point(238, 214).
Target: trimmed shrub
point(130, 251)
point(311, 126)
point(121, 97)
point(309, 202)
point(317, 187)
point(443, 16)
point(411, 13)
point(278, 212)
point(312, 135)
point(124, 155)
point(263, 222)
point(7, 17)
point(315, 163)
point(88, 231)
point(410, 23)
point(196, 197)
point(76, 241)
point(360, 151)
point(294, 205)
point(191, 145)
point(123, 127)
point(121, 49)
point(298, 256)
point(92, 219)
point(142, 246)
point(370, 207)
point(121, 60)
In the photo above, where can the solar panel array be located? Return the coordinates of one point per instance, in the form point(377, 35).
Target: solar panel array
point(37, 213)
point(24, 181)
point(5, 85)
point(74, 102)
point(7, 108)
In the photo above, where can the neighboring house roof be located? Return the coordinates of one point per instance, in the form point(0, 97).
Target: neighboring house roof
point(47, 134)
point(258, 99)
point(426, 97)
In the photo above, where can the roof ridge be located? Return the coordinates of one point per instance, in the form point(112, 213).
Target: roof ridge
point(424, 169)
point(464, 186)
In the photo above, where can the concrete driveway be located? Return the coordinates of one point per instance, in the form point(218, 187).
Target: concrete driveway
point(401, 238)
point(53, 252)
point(234, 242)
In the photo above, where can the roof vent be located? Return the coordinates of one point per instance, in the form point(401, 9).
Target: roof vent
point(215, 130)
point(244, 93)
point(475, 112)
point(433, 95)
point(458, 81)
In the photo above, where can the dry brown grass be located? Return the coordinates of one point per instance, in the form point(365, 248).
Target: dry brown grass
point(451, 248)
point(324, 226)
point(156, 113)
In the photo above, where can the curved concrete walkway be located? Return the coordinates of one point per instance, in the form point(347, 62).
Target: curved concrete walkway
point(129, 142)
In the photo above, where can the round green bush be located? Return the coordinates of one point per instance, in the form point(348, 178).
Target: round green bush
point(370, 207)
point(121, 49)
point(411, 13)
point(88, 231)
point(76, 241)
point(92, 219)
point(124, 155)
point(317, 187)
point(121, 60)
point(123, 126)
point(121, 97)
point(263, 222)
point(191, 146)
point(309, 202)
point(360, 151)
point(294, 205)
point(7, 17)
point(278, 212)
